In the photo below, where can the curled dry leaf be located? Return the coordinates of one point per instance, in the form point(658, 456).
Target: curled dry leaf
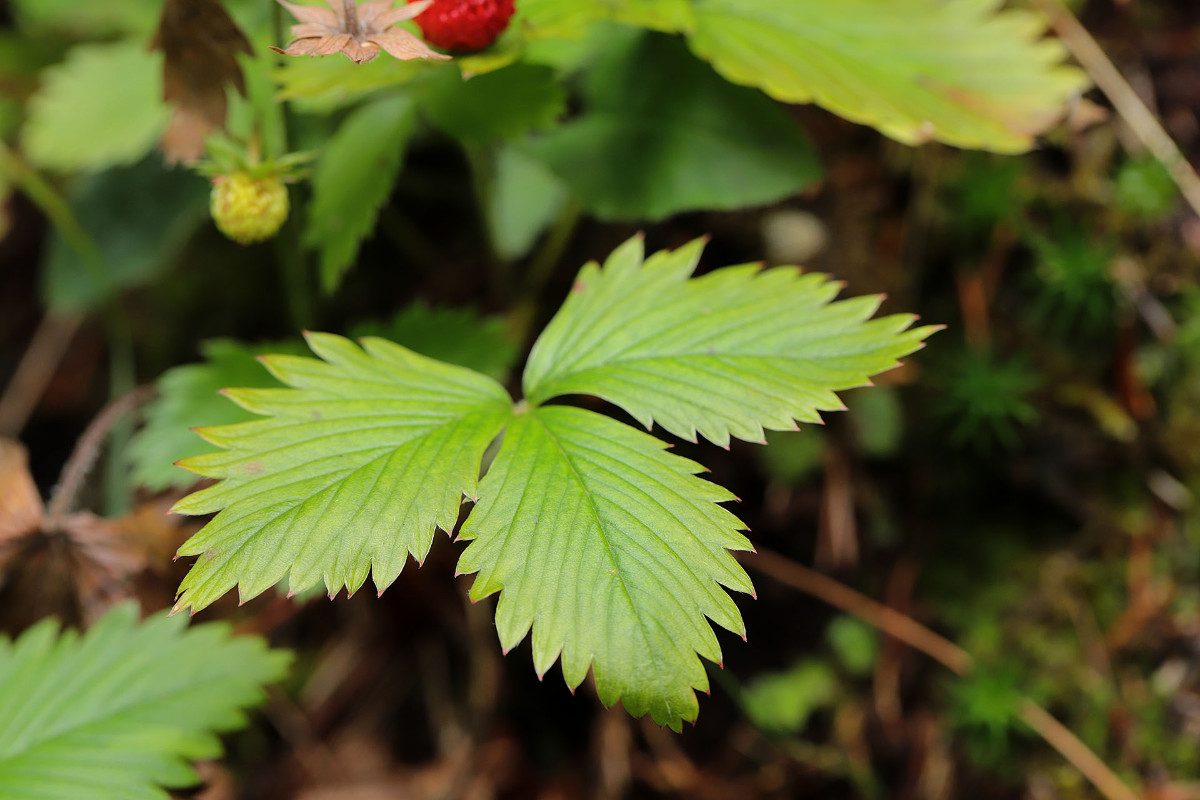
point(200, 43)
point(82, 566)
point(21, 510)
point(357, 31)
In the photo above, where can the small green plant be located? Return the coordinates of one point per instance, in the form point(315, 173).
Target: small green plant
point(604, 548)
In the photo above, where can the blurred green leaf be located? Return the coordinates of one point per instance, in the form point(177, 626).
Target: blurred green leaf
point(188, 397)
point(524, 198)
point(86, 18)
point(495, 107)
point(125, 708)
point(855, 642)
point(572, 18)
point(100, 108)
point(453, 335)
point(918, 70)
point(672, 136)
point(140, 217)
point(1144, 188)
point(793, 456)
point(353, 179)
point(877, 421)
point(782, 702)
point(321, 85)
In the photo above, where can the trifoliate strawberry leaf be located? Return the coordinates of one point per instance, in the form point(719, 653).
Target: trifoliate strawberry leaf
point(918, 70)
point(352, 180)
point(613, 552)
point(673, 136)
point(76, 120)
point(120, 711)
point(357, 464)
point(729, 353)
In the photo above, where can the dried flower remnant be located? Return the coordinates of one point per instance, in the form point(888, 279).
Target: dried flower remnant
point(359, 32)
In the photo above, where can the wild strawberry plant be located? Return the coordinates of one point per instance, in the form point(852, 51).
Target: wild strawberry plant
point(605, 548)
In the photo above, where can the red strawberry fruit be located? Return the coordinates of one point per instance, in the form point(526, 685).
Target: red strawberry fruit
point(464, 25)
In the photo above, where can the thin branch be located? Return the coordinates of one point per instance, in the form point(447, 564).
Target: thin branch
point(889, 620)
point(908, 630)
point(1076, 752)
point(86, 450)
point(35, 370)
point(1125, 100)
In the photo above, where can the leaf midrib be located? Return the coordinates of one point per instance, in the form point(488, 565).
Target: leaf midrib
point(578, 477)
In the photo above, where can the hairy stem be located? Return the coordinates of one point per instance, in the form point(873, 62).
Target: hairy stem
point(35, 369)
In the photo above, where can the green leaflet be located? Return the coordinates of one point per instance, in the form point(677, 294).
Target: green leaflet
point(523, 199)
point(493, 107)
point(572, 18)
point(918, 70)
point(356, 465)
point(140, 218)
point(120, 711)
point(613, 552)
point(730, 353)
point(353, 179)
point(76, 121)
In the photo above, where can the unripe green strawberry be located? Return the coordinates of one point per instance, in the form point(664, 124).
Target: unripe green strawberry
point(247, 209)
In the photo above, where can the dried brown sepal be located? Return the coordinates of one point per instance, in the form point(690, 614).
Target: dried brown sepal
point(200, 43)
point(357, 31)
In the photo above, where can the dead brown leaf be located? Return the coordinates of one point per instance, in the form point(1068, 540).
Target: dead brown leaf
point(200, 43)
point(78, 567)
point(21, 510)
